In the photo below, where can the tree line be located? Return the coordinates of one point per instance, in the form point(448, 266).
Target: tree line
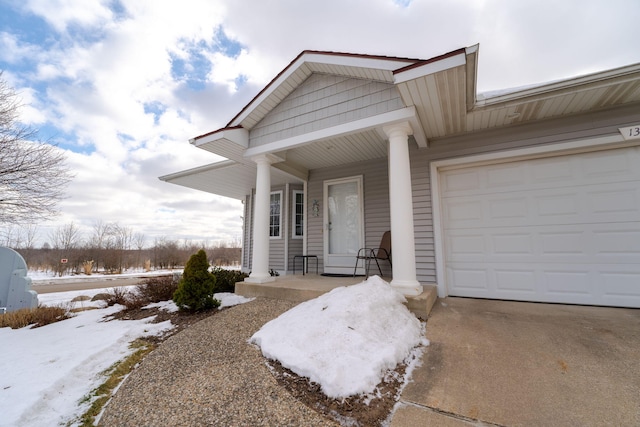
point(110, 248)
point(33, 179)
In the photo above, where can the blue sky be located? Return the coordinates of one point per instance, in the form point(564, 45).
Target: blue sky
point(123, 85)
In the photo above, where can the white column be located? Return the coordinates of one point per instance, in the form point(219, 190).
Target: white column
point(403, 251)
point(260, 258)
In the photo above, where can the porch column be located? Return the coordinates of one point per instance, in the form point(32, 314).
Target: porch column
point(260, 258)
point(401, 207)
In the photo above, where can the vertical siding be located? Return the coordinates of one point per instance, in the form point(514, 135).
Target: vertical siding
point(376, 204)
point(323, 101)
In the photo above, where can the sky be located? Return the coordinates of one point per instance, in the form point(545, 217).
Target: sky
point(122, 85)
point(340, 340)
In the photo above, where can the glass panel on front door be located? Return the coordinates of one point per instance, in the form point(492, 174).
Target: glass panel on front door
point(344, 218)
point(344, 224)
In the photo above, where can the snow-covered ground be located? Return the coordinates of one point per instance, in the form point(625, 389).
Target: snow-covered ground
point(344, 340)
point(45, 372)
point(43, 277)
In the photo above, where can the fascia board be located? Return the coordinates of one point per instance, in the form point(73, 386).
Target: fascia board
point(238, 136)
point(396, 116)
point(357, 61)
point(430, 68)
point(194, 171)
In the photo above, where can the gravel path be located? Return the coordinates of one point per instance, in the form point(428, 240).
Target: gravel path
point(208, 375)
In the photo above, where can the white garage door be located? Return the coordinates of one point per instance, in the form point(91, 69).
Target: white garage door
point(557, 229)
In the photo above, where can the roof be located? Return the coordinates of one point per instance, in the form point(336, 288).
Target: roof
point(439, 100)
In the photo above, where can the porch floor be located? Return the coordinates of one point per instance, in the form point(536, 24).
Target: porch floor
point(299, 288)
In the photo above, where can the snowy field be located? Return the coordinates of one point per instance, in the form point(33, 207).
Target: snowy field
point(46, 371)
point(344, 340)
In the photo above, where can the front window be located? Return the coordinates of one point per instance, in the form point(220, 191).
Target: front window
point(275, 214)
point(298, 214)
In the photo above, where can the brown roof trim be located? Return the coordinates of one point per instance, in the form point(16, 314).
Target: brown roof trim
point(316, 52)
point(428, 61)
point(216, 131)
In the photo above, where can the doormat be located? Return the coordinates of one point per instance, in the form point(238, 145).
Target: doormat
point(340, 275)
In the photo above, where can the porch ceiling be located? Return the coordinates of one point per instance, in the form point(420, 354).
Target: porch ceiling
point(366, 145)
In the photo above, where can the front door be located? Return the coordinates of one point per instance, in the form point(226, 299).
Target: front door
point(344, 224)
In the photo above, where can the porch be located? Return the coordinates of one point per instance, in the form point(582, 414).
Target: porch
point(299, 288)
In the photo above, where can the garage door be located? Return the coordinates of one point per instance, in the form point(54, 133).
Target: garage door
point(556, 229)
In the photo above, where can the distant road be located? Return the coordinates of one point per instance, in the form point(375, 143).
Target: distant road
point(45, 287)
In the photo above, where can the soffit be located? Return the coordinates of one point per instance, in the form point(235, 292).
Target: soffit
point(442, 100)
point(581, 98)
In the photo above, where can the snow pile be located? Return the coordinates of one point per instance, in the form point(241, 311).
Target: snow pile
point(344, 340)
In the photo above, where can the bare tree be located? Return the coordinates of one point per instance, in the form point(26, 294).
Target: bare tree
point(65, 237)
point(65, 240)
point(33, 175)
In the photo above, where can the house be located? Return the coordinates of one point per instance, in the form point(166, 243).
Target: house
point(529, 194)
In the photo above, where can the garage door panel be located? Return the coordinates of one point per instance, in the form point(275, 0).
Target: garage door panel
point(600, 167)
point(586, 204)
point(616, 243)
point(564, 229)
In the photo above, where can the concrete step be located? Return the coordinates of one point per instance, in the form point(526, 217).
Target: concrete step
point(296, 289)
point(422, 304)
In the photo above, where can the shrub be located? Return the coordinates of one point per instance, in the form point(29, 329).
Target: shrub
point(197, 286)
point(40, 316)
point(119, 296)
point(226, 279)
point(157, 289)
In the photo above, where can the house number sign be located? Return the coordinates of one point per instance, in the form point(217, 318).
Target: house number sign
point(631, 132)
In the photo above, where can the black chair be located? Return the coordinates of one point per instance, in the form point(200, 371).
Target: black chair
point(383, 252)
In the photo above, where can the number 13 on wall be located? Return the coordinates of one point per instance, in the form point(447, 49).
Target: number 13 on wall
point(631, 132)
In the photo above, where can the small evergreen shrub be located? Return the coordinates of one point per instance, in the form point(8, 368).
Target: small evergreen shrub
point(197, 286)
point(226, 279)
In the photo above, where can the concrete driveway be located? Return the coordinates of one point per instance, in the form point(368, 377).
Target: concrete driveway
point(526, 364)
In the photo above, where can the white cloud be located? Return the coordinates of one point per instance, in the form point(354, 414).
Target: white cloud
point(60, 14)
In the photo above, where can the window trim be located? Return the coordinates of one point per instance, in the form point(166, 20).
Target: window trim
point(279, 236)
point(294, 216)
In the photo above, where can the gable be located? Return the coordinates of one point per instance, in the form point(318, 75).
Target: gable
point(322, 101)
